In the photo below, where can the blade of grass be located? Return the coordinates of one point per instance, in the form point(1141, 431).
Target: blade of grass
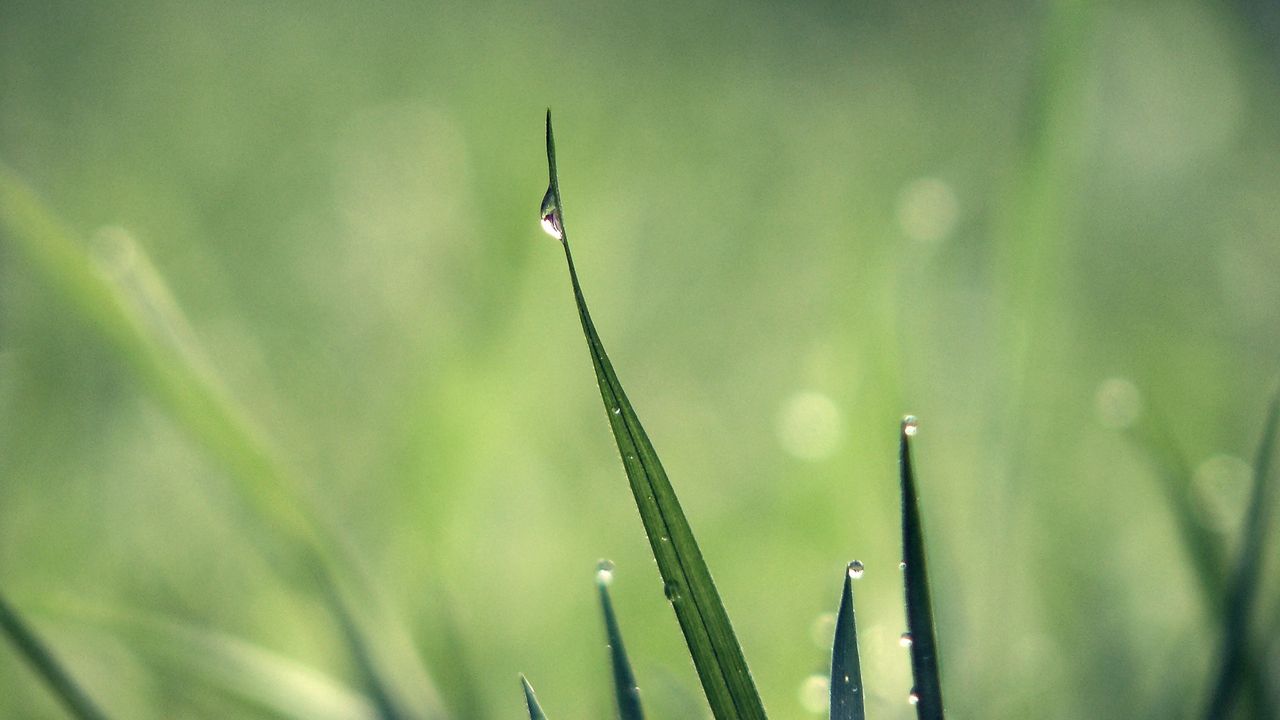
point(131, 307)
point(624, 680)
point(846, 670)
point(721, 667)
point(927, 693)
point(41, 658)
point(531, 700)
point(1242, 590)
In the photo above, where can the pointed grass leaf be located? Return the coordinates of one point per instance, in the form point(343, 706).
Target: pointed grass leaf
point(846, 670)
point(41, 659)
point(718, 658)
point(1242, 589)
point(531, 700)
point(624, 680)
point(927, 693)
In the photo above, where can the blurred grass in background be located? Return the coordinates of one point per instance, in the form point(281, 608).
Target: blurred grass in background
point(1032, 225)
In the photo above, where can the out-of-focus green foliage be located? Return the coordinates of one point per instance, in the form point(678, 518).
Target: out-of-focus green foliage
point(1032, 225)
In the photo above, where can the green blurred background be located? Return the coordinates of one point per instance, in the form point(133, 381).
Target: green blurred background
point(1033, 225)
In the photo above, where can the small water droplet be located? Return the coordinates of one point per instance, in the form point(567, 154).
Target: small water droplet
point(905, 640)
point(855, 569)
point(604, 572)
point(617, 411)
point(902, 566)
point(671, 591)
point(910, 425)
point(913, 698)
point(550, 217)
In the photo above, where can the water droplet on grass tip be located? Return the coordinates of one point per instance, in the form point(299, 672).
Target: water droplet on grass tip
point(902, 566)
point(913, 698)
point(671, 591)
point(855, 569)
point(905, 640)
point(604, 572)
point(910, 425)
point(550, 216)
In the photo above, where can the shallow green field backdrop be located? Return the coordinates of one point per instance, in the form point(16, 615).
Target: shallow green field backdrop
point(1036, 226)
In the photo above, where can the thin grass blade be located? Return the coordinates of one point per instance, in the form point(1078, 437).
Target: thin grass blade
point(721, 667)
point(846, 669)
point(626, 691)
point(927, 693)
point(41, 658)
point(1242, 589)
point(531, 700)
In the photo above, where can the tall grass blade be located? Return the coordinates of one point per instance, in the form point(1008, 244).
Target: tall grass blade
point(1242, 589)
point(846, 669)
point(624, 680)
point(927, 693)
point(721, 667)
point(41, 659)
point(531, 700)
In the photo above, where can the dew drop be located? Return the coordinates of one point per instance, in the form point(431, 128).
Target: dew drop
point(902, 566)
point(604, 572)
point(671, 591)
point(913, 698)
point(855, 569)
point(617, 411)
point(550, 217)
point(905, 640)
point(910, 425)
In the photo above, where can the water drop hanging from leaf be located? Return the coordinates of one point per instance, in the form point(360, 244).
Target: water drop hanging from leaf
point(550, 215)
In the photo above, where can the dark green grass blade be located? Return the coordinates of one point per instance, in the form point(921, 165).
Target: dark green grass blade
point(846, 670)
point(924, 645)
point(41, 659)
point(624, 680)
point(535, 710)
point(716, 654)
point(1235, 656)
